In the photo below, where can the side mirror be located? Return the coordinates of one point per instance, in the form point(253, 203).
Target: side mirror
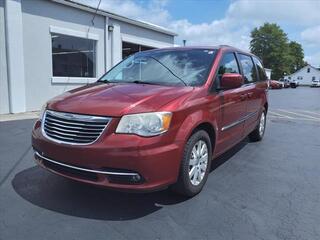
point(231, 81)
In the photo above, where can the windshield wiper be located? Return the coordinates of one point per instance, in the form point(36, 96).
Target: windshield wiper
point(169, 70)
point(105, 81)
point(143, 82)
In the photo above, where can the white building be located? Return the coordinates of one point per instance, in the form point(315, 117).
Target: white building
point(305, 75)
point(268, 72)
point(50, 46)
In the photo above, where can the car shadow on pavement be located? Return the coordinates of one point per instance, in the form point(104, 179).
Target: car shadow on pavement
point(58, 194)
point(217, 162)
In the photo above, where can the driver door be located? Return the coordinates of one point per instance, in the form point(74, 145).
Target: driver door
point(233, 106)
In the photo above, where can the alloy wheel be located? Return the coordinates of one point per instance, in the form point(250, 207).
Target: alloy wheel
point(198, 162)
point(262, 124)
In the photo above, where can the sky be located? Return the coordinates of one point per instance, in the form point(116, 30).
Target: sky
point(215, 22)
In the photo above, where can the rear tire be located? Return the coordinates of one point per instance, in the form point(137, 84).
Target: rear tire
point(195, 165)
point(258, 133)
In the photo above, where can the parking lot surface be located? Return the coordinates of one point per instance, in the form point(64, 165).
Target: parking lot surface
point(264, 190)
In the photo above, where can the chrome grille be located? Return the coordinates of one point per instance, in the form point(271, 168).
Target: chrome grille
point(73, 128)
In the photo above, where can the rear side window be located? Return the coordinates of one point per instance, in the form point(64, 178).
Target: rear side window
point(248, 68)
point(261, 71)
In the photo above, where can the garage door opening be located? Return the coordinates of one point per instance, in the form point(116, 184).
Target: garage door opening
point(131, 48)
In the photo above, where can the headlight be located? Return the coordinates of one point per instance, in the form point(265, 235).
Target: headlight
point(43, 109)
point(145, 124)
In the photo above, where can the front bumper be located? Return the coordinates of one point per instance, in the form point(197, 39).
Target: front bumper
point(115, 160)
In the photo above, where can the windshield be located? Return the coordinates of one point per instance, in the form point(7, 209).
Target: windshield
point(165, 67)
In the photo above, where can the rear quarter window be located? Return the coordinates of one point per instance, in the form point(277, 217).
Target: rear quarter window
point(248, 68)
point(261, 72)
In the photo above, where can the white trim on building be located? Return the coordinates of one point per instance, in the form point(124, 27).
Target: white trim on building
point(142, 24)
point(144, 41)
point(74, 33)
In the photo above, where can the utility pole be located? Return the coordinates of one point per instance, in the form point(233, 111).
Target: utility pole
point(184, 42)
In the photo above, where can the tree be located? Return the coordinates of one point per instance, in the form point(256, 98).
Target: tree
point(271, 44)
point(297, 55)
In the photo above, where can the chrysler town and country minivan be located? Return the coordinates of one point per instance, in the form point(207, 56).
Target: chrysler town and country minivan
point(157, 119)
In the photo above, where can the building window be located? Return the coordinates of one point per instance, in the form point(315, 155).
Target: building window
point(313, 78)
point(131, 48)
point(73, 56)
point(308, 70)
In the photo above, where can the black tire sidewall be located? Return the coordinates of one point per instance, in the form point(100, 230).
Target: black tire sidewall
point(184, 172)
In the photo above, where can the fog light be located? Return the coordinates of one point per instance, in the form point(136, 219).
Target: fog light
point(126, 179)
point(136, 178)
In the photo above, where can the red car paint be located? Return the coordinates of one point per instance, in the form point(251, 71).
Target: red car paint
point(275, 84)
point(156, 159)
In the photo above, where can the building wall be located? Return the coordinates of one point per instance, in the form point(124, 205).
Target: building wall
point(144, 33)
point(303, 76)
point(4, 97)
point(37, 17)
point(126, 32)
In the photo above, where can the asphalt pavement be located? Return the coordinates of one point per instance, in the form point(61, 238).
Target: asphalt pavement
point(264, 190)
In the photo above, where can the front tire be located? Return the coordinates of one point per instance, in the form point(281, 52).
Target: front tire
point(258, 133)
point(195, 164)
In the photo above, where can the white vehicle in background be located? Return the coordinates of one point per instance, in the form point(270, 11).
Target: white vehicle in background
point(294, 83)
point(285, 82)
point(315, 83)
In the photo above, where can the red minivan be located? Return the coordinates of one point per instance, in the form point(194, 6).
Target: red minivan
point(157, 119)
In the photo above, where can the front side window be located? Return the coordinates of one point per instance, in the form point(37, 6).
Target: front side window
point(261, 71)
point(228, 64)
point(164, 67)
point(248, 68)
point(73, 56)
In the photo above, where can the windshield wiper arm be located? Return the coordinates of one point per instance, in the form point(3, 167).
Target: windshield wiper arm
point(169, 70)
point(105, 81)
point(143, 82)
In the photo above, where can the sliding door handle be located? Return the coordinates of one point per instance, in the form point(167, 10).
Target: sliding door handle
point(250, 95)
point(243, 97)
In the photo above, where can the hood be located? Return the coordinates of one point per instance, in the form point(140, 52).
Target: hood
point(116, 99)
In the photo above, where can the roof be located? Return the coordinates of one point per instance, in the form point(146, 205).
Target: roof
point(225, 47)
point(222, 47)
point(102, 12)
point(307, 66)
